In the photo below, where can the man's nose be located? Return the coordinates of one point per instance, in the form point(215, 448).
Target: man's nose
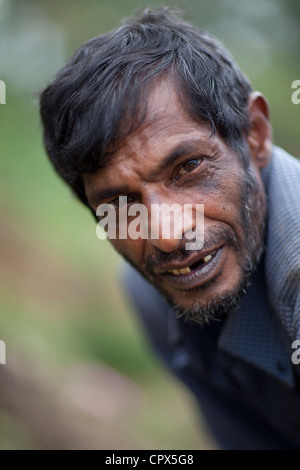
point(167, 225)
point(165, 244)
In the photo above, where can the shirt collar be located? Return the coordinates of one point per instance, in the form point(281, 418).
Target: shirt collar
point(281, 180)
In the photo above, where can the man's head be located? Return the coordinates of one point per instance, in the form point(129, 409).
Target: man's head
point(159, 111)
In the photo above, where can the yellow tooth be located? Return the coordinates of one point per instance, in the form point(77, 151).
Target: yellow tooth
point(184, 270)
point(176, 272)
point(207, 258)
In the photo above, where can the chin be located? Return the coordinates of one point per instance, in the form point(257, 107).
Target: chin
point(221, 295)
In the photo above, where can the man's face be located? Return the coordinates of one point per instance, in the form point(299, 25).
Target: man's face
point(172, 159)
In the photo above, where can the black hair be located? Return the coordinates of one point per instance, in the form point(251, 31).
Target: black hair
point(109, 77)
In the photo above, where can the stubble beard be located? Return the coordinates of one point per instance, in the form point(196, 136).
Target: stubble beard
point(252, 214)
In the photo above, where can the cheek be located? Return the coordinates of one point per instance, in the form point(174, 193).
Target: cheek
point(132, 250)
point(221, 199)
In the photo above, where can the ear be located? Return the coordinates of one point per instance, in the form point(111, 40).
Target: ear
point(260, 132)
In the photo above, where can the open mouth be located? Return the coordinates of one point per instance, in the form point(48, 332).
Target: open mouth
point(192, 267)
point(194, 275)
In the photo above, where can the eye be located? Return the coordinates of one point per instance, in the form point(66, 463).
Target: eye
point(189, 166)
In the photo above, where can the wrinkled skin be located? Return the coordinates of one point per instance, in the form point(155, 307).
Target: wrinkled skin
point(206, 171)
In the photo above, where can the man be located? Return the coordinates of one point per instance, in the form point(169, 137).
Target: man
point(159, 112)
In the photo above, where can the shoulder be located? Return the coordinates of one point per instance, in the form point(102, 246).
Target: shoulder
point(282, 184)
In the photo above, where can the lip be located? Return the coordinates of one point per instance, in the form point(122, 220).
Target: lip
point(197, 257)
point(200, 275)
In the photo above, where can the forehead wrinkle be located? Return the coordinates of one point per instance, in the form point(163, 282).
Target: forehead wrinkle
point(165, 125)
point(146, 141)
point(142, 148)
point(164, 110)
point(163, 105)
point(147, 132)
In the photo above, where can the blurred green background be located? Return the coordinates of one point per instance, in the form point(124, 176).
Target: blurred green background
point(79, 373)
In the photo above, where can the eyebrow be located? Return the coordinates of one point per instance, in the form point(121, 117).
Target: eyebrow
point(182, 149)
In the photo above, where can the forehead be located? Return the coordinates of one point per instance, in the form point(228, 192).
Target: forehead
point(166, 128)
point(166, 124)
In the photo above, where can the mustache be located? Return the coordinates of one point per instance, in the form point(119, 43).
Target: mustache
point(213, 237)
